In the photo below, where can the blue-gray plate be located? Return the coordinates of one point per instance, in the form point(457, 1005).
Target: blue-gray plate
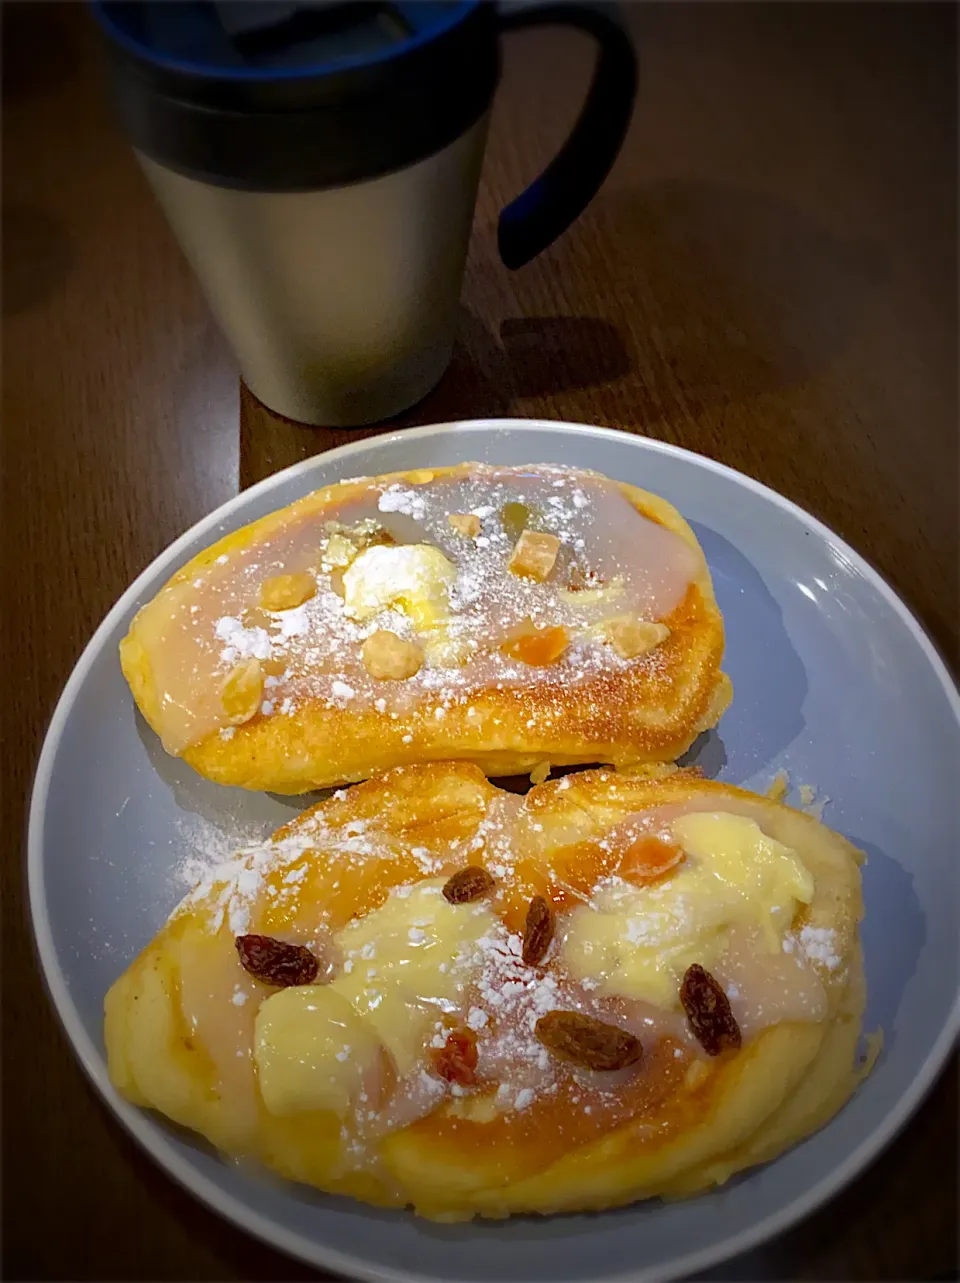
point(835, 683)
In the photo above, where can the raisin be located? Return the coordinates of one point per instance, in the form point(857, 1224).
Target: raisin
point(537, 931)
point(589, 1043)
point(708, 1011)
point(275, 962)
point(456, 1060)
point(467, 884)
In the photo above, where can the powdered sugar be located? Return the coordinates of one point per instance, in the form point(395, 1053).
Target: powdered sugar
point(819, 945)
point(243, 643)
point(398, 499)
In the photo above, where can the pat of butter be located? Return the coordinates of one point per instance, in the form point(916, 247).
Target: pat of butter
point(312, 1050)
point(638, 941)
point(415, 578)
point(408, 962)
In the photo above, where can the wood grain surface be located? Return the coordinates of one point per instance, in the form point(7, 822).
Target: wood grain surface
point(769, 277)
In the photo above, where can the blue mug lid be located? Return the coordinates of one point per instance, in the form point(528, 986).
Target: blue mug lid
point(297, 94)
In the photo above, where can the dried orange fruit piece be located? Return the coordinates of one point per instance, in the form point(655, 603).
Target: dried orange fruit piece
point(284, 592)
point(534, 555)
point(538, 647)
point(385, 655)
point(242, 691)
point(648, 858)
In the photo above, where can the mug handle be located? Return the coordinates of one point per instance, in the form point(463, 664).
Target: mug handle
point(549, 205)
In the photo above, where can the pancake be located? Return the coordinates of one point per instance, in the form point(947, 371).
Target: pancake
point(517, 618)
point(428, 992)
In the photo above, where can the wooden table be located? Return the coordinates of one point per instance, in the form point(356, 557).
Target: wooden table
point(769, 277)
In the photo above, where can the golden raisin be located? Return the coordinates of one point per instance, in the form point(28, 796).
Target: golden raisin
point(242, 691)
point(534, 555)
point(284, 592)
point(387, 656)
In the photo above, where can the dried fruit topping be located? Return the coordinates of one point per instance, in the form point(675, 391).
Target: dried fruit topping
point(515, 517)
point(284, 592)
point(631, 637)
point(342, 543)
point(648, 858)
point(456, 1060)
point(537, 931)
point(465, 523)
point(276, 962)
point(539, 772)
point(582, 579)
point(708, 1010)
point(538, 647)
point(533, 555)
point(242, 691)
point(385, 655)
point(467, 884)
point(338, 552)
point(589, 1043)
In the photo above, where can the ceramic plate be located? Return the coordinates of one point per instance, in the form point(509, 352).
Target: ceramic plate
point(835, 683)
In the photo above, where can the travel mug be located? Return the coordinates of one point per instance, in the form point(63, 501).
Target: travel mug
point(319, 165)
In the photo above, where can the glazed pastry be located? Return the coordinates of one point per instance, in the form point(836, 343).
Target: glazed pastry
point(428, 992)
point(517, 618)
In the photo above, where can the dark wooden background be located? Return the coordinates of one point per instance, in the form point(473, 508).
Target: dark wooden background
point(769, 277)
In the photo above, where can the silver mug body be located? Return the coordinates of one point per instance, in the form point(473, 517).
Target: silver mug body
point(340, 304)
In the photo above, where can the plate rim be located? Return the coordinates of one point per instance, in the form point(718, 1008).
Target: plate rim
point(149, 1134)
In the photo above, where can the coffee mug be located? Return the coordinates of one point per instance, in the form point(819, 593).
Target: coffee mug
point(319, 166)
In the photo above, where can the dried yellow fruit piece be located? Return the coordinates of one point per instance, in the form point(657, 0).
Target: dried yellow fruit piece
point(631, 637)
point(515, 517)
point(539, 772)
point(242, 691)
point(465, 523)
point(284, 592)
point(338, 552)
point(534, 555)
point(387, 656)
